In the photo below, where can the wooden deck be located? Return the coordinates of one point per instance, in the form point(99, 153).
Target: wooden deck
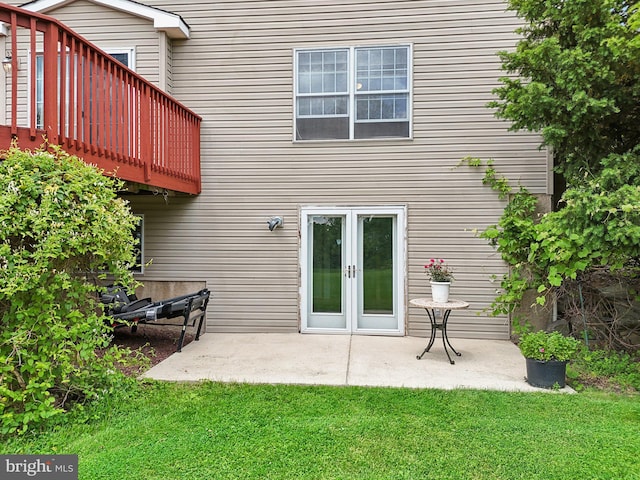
point(99, 109)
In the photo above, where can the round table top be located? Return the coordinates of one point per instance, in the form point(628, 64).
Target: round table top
point(450, 305)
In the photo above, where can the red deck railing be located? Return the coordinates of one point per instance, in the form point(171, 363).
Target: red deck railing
point(65, 88)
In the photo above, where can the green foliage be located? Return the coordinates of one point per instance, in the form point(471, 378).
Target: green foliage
point(578, 82)
point(546, 346)
point(614, 370)
point(61, 231)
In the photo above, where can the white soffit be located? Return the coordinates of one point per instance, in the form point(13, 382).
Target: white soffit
point(163, 21)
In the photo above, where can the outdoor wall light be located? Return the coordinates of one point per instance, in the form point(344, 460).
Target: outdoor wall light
point(7, 64)
point(274, 222)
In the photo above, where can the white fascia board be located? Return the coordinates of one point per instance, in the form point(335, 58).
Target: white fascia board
point(44, 5)
point(163, 21)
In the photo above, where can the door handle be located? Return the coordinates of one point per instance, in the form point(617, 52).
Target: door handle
point(350, 271)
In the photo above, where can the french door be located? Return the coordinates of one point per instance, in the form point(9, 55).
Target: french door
point(353, 270)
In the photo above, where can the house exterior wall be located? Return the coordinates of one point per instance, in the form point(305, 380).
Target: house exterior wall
point(236, 71)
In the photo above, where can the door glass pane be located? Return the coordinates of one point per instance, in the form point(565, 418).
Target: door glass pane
point(327, 264)
point(377, 266)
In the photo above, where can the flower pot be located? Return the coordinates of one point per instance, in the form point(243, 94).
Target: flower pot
point(546, 374)
point(440, 291)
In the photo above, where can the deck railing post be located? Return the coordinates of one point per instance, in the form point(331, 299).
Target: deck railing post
point(146, 131)
point(50, 83)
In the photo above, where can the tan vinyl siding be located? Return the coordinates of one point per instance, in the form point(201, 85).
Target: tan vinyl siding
point(236, 71)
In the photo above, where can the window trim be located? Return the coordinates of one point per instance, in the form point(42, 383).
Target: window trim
point(353, 95)
point(130, 51)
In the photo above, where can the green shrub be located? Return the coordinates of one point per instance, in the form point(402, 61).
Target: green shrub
point(62, 230)
point(541, 345)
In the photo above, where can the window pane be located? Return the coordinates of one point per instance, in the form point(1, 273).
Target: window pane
point(341, 82)
point(322, 106)
point(342, 106)
point(304, 106)
point(362, 108)
point(389, 58)
point(377, 270)
point(304, 84)
point(322, 72)
point(329, 82)
point(384, 107)
point(317, 106)
point(375, 108)
point(327, 264)
point(330, 106)
point(401, 107)
point(315, 60)
point(121, 57)
point(375, 58)
point(381, 69)
point(401, 58)
point(316, 83)
point(388, 107)
point(304, 63)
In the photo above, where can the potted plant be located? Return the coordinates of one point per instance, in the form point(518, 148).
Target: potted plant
point(440, 276)
point(547, 354)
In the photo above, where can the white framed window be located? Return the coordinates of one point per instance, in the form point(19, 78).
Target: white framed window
point(126, 56)
point(352, 93)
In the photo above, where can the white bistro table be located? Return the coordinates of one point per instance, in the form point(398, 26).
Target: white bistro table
point(432, 308)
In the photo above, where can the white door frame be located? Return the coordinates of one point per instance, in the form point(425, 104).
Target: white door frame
point(400, 265)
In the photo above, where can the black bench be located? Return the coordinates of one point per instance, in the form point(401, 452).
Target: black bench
point(126, 309)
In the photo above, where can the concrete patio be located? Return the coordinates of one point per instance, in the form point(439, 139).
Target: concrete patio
point(293, 358)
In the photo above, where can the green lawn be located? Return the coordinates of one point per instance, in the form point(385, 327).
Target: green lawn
point(206, 431)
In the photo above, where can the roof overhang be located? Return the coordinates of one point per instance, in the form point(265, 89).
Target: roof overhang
point(172, 24)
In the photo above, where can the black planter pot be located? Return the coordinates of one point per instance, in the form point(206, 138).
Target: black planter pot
point(546, 374)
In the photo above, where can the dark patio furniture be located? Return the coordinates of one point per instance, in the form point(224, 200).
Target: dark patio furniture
point(126, 309)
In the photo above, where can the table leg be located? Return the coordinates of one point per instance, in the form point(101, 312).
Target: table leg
point(445, 337)
point(434, 327)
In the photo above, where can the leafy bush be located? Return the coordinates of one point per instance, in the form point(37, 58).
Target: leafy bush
point(546, 346)
point(61, 231)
